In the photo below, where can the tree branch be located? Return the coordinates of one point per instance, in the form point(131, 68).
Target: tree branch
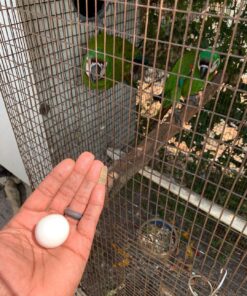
point(126, 167)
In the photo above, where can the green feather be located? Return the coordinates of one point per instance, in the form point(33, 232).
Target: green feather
point(183, 87)
point(206, 55)
point(173, 93)
point(116, 68)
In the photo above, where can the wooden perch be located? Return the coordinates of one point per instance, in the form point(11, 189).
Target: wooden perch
point(126, 167)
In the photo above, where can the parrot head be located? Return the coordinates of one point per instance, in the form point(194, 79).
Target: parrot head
point(95, 70)
point(205, 57)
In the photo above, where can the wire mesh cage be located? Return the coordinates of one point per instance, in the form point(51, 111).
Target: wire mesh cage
point(158, 91)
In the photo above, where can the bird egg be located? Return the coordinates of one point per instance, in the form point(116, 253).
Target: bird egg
point(52, 231)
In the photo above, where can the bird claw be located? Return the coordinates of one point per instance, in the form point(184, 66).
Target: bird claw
point(177, 117)
point(194, 100)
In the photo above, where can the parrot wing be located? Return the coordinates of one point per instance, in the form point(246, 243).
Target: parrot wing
point(171, 91)
point(197, 84)
point(174, 83)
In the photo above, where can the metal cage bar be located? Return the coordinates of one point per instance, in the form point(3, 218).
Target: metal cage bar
point(177, 183)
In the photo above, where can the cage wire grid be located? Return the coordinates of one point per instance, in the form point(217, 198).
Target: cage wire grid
point(183, 169)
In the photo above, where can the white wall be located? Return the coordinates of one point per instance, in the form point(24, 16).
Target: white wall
point(20, 97)
point(9, 154)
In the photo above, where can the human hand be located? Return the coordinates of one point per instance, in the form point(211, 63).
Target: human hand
point(28, 269)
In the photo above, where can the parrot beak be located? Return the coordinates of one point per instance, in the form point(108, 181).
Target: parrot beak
point(92, 78)
point(97, 71)
point(203, 71)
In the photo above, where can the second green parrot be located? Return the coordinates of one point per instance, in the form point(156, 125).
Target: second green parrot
point(175, 86)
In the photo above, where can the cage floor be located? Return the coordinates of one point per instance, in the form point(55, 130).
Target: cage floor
point(114, 276)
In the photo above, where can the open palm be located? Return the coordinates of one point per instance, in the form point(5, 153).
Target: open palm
point(28, 269)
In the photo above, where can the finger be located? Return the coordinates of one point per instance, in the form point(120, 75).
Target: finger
point(88, 223)
point(72, 183)
point(80, 201)
point(42, 196)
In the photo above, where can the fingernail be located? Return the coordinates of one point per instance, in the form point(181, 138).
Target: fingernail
point(103, 175)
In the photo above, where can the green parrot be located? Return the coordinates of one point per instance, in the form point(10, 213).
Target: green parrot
point(98, 66)
point(172, 93)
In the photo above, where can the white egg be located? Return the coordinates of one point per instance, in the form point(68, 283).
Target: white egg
point(52, 231)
